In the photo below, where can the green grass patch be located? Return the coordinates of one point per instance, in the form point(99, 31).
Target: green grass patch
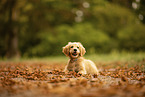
point(122, 57)
point(112, 57)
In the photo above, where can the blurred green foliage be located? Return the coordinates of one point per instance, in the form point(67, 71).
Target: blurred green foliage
point(44, 27)
point(132, 37)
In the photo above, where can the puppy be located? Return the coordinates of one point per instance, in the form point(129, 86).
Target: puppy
point(75, 51)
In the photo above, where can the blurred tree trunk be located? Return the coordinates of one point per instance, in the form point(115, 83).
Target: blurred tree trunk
point(12, 31)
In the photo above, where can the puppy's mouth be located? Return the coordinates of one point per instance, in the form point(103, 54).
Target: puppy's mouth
point(74, 54)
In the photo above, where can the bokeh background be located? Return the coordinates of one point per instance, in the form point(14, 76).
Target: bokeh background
point(40, 28)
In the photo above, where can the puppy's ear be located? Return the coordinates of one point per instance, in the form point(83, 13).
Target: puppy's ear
point(82, 49)
point(65, 50)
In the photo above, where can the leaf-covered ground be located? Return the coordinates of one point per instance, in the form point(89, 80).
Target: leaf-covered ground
point(34, 79)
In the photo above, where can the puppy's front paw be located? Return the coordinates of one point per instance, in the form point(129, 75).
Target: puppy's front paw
point(82, 72)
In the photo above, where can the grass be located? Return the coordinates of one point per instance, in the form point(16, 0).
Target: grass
point(111, 57)
point(124, 57)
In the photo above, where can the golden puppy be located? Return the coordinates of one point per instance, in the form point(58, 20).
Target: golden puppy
point(77, 63)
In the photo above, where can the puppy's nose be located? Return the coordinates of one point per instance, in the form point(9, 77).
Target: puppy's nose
point(75, 49)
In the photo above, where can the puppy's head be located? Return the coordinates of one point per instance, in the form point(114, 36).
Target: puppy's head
point(74, 49)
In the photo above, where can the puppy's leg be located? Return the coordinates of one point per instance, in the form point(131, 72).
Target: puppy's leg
point(65, 69)
point(83, 72)
point(69, 67)
point(81, 69)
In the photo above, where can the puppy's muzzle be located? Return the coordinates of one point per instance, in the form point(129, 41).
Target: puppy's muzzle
point(75, 52)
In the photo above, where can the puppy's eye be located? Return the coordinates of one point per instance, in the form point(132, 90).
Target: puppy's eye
point(78, 47)
point(72, 46)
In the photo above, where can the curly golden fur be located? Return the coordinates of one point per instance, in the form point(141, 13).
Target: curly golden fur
point(75, 51)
